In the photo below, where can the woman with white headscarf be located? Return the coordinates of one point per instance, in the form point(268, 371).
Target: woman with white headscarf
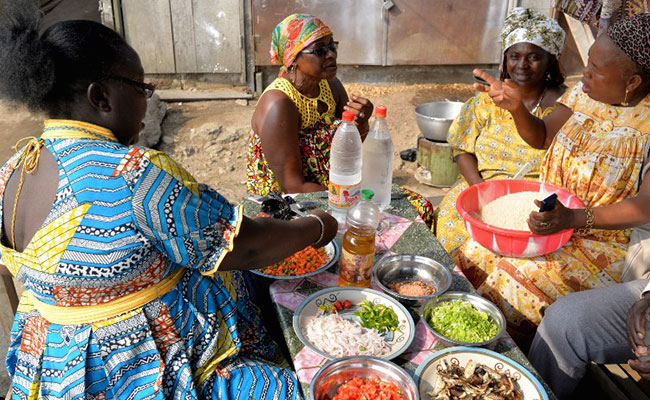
point(484, 137)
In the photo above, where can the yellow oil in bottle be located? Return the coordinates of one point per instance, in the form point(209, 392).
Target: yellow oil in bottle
point(357, 257)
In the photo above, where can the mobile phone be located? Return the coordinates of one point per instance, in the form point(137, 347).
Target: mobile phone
point(548, 203)
point(481, 81)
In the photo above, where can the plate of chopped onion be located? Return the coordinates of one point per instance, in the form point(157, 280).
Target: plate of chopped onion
point(475, 373)
point(306, 262)
point(351, 321)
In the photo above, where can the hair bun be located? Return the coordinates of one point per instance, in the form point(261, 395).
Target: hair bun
point(27, 72)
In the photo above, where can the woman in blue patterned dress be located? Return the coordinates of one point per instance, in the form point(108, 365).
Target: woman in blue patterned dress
point(129, 265)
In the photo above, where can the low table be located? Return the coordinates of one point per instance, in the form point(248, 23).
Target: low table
point(406, 234)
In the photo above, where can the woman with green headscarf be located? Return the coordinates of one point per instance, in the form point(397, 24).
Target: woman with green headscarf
point(296, 116)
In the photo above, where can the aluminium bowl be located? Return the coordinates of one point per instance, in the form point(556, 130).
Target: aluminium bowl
point(407, 267)
point(327, 380)
point(479, 303)
point(435, 118)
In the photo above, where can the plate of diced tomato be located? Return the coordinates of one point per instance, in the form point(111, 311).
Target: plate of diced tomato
point(306, 262)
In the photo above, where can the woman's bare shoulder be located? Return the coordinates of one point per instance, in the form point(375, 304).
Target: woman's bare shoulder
point(274, 104)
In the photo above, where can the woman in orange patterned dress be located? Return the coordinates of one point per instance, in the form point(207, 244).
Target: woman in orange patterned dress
point(296, 117)
point(597, 141)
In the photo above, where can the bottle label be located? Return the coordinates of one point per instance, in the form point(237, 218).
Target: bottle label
point(356, 267)
point(343, 195)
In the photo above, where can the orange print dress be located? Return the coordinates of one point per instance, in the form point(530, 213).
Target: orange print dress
point(597, 155)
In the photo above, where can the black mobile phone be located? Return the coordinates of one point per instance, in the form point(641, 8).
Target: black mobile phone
point(548, 203)
point(481, 81)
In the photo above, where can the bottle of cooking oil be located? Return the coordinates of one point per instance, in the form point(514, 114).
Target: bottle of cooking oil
point(358, 255)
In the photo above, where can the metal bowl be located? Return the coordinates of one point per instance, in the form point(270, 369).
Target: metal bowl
point(479, 303)
point(435, 118)
point(406, 267)
point(327, 380)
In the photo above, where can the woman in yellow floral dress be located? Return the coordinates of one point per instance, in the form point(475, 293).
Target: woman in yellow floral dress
point(484, 137)
point(598, 140)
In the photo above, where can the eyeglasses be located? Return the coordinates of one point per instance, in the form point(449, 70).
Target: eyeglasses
point(322, 50)
point(146, 88)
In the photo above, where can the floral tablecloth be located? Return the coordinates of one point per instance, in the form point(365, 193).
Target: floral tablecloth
point(403, 233)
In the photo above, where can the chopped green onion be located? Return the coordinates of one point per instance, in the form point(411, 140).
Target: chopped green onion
point(459, 320)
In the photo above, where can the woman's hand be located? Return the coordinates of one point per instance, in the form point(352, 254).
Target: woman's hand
point(361, 107)
point(549, 222)
point(504, 94)
point(468, 165)
point(636, 318)
point(330, 227)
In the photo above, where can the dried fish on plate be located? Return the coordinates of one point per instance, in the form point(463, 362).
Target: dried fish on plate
point(474, 381)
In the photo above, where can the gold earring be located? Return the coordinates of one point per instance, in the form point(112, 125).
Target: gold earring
point(292, 74)
point(625, 103)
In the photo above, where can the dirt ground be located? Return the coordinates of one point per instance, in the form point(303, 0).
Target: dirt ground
point(209, 138)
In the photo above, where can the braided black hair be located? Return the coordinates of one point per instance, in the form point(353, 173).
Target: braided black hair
point(51, 72)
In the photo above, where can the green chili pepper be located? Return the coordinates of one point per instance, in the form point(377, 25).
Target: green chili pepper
point(377, 317)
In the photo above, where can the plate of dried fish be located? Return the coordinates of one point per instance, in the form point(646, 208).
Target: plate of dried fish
point(475, 373)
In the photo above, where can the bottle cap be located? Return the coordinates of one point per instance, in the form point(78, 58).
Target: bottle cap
point(367, 194)
point(380, 111)
point(348, 116)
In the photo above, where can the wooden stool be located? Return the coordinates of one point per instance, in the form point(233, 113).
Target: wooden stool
point(619, 381)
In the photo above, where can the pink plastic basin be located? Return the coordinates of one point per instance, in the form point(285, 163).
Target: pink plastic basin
point(507, 242)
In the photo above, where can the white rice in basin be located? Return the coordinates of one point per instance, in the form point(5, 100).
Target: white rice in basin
point(512, 210)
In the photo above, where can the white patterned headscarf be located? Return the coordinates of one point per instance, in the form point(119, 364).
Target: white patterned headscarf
point(524, 25)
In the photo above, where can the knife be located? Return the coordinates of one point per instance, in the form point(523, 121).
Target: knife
point(297, 209)
point(523, 171)
point(301, 207)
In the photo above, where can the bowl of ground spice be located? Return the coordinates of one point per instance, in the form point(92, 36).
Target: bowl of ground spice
point(411, 279)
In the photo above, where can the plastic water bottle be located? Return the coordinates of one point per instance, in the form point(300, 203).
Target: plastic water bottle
point(345, 167)
point(358, 254)
point(378, 160)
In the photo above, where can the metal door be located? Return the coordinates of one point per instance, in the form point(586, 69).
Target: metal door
point(358, 24)
point(411, 32)
point(443, 32)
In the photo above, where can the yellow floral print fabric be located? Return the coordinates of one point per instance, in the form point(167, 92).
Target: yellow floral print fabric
point(489, 133)
point(597, 155)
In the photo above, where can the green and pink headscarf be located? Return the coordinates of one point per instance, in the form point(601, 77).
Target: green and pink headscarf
point(292, 35)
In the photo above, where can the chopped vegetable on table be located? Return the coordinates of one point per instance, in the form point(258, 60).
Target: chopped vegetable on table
point(459, 320)
point(377, 316)
point(368, 389)
point(303, 262)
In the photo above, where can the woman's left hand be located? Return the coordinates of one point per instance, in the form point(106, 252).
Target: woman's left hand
point(549, 222)
point(361, 107)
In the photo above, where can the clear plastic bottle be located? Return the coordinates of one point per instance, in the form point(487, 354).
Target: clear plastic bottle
point(358, 254)
point(345, 167)
point(378, 151)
